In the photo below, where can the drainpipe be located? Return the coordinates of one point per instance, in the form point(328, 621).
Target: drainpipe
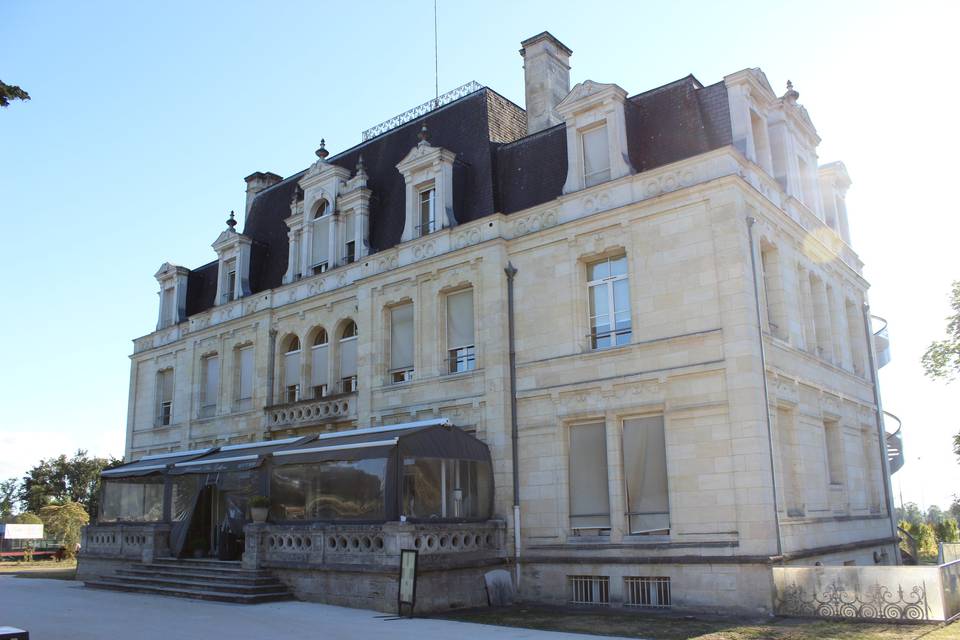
point(881, 435)
point(763, 372)
point(511, 272)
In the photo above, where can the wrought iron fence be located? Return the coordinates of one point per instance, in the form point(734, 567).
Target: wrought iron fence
point(422, 109)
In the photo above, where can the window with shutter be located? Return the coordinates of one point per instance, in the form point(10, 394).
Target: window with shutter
point(401, 343)
point(589, 490)
point(245, 381)
point(461, 350)
point(319, 364)
point(348, 358)
point(291, 371)
point(211, 386)
point(645, 472)
point(596, 156)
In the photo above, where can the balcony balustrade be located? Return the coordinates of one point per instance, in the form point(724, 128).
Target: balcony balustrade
point(336, 408)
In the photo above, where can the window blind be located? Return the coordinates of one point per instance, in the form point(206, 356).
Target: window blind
point(645, 470)
point(321, 241)
point(401, 337)
point(348, 357)
point(211, 380)
point(246, 373)
point(318, 365)
point(596, 156)
point(291, 368)
point(589, 490)
point(460, 319)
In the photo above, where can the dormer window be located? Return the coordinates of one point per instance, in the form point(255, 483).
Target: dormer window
point(233, 258)
point(229, 288)
point(596, 155)
point(427, 197)
point(349, 239)
point(173, 294)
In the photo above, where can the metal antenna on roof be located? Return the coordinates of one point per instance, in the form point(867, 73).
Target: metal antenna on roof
point(436, 57)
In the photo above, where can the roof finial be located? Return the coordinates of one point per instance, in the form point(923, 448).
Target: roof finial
point(231, 221)
point(791, 95)
point(424, 135)
point(322, 152)
point(361, 168)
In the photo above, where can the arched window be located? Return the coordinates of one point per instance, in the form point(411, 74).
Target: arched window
point(291, 370)
point(319, 256)
point(348, 357)
point(318, 363)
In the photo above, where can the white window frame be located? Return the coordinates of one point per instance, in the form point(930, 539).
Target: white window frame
point(608, 282)
point(165, 407)
point(462, 358)
point(244, 402)
point(430, 191)
point(347, 384)
point(601, 175)
point(208, 405)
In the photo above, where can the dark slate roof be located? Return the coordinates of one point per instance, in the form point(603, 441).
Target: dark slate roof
point(497, 169)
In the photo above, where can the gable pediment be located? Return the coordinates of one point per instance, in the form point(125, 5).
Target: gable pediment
point(589, 92)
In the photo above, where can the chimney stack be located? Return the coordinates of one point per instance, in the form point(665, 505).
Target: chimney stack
point(546, 72)
point(257, 182)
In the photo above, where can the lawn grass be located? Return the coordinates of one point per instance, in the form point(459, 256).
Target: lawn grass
point(44, 569)
point(678, 627)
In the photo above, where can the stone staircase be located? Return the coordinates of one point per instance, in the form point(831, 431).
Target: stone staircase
point(215, 580)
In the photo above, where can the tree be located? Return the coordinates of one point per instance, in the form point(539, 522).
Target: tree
point(26, 518)
point(10, 92)
point(8, 497)
point(955, 508)
point(935, 515)
point(942, 358)
point(926, 540)
point(947, 531)
point(55, 480)
point(63, 522)
point(910, 512)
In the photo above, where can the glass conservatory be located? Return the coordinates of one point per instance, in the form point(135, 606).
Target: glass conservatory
point(428, 471)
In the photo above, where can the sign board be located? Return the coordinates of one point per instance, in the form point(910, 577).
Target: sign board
point(408, 580)
point(21, 531)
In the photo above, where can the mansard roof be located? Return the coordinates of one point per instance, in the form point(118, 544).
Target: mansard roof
point(498, 168)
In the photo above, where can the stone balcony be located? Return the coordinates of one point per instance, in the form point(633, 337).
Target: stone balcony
point(341, 407)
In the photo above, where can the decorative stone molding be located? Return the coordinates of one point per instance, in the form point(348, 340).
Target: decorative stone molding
point(233, 249)
point(337, 408)
point(593, 104)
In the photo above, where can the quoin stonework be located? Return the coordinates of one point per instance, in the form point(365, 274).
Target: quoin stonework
point(656, 294)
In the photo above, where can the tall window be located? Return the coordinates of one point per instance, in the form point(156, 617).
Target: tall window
point(428, 211)
point(401, 343)
point(645, 471)
point(165, 397)
point(348, 358)
point(790, 462)
point(291, 370)
point(321, 244)
point(228, 293)
point(210, 381)
point(871, 462)
point(349, 239)
point(318, 363)
point(461, 352)
point(773, 289)
point(855, 337)
point(169, 306)
point(609, 303)
point(589, 491)
point(761, 142)
point(245, 377)
point(596, 156)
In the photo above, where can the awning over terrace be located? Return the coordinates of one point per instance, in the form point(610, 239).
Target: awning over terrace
point(154, 464)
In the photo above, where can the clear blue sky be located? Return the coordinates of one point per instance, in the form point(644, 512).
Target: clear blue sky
point(146, 117)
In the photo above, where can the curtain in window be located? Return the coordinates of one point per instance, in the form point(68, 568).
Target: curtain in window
point(321, 242)
point(246, 373)
point(211, 380)
point(401, 337)
point(166, 386)
point(645, 470)
point(589, 491)
point(318, 366)
point(460, 319)
point(348, 357)
point(291, 368)
point(596, 156)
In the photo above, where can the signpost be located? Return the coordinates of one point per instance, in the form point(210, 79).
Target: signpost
point(408, 580)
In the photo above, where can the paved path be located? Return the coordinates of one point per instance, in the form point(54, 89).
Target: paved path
point(55, 609)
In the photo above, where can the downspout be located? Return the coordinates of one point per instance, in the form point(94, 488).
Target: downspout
point(511, 272)
point(766, 394)
point(881, 435)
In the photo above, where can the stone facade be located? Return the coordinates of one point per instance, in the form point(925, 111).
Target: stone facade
point(799, 479)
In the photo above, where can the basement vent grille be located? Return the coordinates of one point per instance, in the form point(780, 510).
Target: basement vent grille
point(589, 589)
point(652, 593)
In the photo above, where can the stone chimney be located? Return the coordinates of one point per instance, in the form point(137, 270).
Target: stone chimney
point(546, 72)
point(257, 182)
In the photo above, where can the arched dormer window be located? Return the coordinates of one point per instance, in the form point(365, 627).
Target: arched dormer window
point(320, 252)
point(348, 357)
point(291, 369)
point(319, 367)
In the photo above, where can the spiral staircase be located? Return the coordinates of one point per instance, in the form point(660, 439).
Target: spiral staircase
point(881, 350)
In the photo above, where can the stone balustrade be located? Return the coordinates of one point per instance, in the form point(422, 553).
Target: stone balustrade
point(341, 407)
point(376, 545)
point(143, 542)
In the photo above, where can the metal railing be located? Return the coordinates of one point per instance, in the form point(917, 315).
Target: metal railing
point(894, 439)
point(426, 107)
point(881, 342)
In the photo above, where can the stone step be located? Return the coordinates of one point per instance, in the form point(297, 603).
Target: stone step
point(208, 576)
point(196, 594)
point(196, 562)
point(268, 586)
point(198, 570)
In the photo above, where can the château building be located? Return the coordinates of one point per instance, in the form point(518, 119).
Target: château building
point(647, 307)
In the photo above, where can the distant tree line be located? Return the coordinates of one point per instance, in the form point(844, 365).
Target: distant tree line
point(61, 493)
point(930, 528)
